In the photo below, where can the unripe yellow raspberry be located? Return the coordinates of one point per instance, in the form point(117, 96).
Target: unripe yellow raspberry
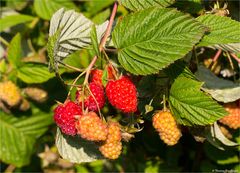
point(91, 127)
point(167, 127)
point(112, 147)
point(10, 93)
point(36, 94)
point(232, 120)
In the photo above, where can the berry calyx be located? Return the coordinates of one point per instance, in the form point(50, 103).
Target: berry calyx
point(64, 116)
point(167, 127)
point(232, 120)
point(93, 99)
point(122, 94)
point(91, 127)
point(112, 147)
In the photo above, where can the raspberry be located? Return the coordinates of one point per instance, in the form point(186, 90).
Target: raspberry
point(96, 75)
point(90, 102)
point(122, 94)
point(64, 116)
point(112, 147)
point(167, 127)
point(10, 93)
point(36, 94)
point(233, 119)
point(91, 127)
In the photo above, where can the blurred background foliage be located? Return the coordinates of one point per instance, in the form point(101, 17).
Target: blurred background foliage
point(27, 129)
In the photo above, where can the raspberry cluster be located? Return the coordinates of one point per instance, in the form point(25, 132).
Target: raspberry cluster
point(91, 127)
point(232, 120)
point(112, 147)
point(167, 127)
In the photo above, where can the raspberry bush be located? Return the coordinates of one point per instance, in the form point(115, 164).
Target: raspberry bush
point(119, 86)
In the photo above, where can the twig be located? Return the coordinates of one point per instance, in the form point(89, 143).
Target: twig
point(215, 58)
point(10, 169)
point(235, 57)
point(103, 41)
point(4, 41)
point(71, 67)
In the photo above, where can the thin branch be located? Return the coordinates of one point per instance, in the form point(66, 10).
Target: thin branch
point(235, 57)
point(103, 41)
point(215, 58)
point(4, 41)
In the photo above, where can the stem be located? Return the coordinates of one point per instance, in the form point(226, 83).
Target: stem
point(215, 58)
point(235, 57)
point(103, 41)
point(4, 41)
point(10, 169)
point(71, 67)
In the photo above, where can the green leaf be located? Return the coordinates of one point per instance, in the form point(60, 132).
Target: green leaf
point(94, 40)
point(76, 149)
point(191, 106)
point(223, 31)
point(46, 8)
point(34, 73)
point(144, 4)
point(18, 136)
point(152, 39)
point(220, 89)
point(15, 51)
point(9, 21)
point(69, 31)
point(16, 4)
point(94, 7)
point(102, 16)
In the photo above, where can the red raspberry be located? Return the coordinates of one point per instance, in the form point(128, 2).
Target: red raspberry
point(167, 127)
point(91, 127)
point(232, 120)
point(96, 75)
point(112, 147)
point(90, 102)
point(64, 116)
point(122, 94)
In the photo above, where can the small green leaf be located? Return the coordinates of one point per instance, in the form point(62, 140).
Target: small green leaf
point(223, 31)
point(34, 73)
point(9, 21)
point(94, 40)
point(15, 51)
point(46, 8)
point(76, 149)
point(105, 77)
point(191, 106)
point(19, 135)
point(144, 4)
point(152, 39)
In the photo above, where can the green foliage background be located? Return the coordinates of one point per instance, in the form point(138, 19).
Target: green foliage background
point(25, 135)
